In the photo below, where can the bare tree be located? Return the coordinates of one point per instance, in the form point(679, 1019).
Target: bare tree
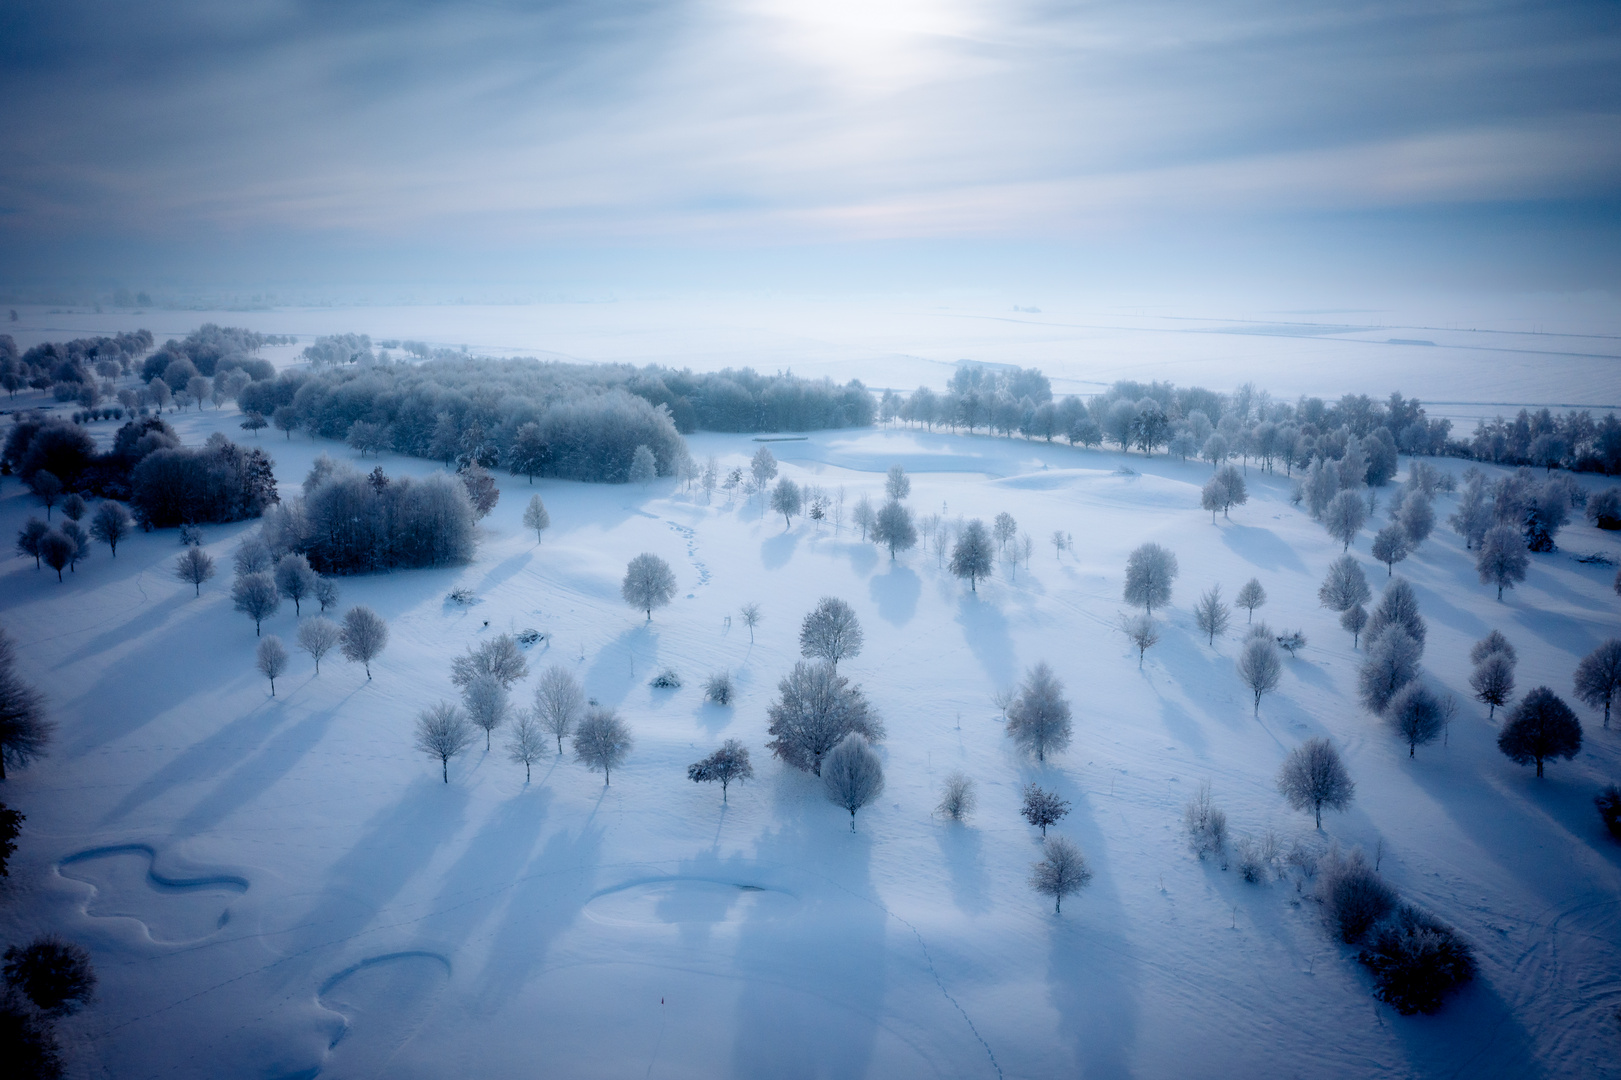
point(1313, 776)
point(1059, 542)
point(1149, 572)
point(1004, 528)
point(1212, 615)
point(271, 658)
point(957, 797)
point(1417, 715)
point(24, 729)
point(535, 517)
point(256, 597)
point(816, 708)
point(485, 698)
point(363, 636)
point(1502, 560)
point(558, 701)
point(1493, 679)
point(499, 657)
point(110, 524)
point(1598, 677)
point(971, 556)
point(317, 636)
point(526, 742)
point(649, 582)
point(443, 732)
point(1391, 664)
point(194, 566)
point(1540, 727)
point(729, 763)
point(1250, 597)
point(1344, 517)
point(751, 618)
point(294, 579)
point(1061, 871)
point(1260, 666)
point(831, 632)
point(864, 515)
point(1043, 808)
point(57, 550)
point(1038, 720)
point(1143, 632)
point(1346, 586)
point(852, 774)
point(602, 741)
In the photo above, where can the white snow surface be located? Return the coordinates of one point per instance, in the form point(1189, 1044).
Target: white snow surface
point(281, 886)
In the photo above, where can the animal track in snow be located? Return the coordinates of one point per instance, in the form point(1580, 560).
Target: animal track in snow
point(125, 884)
point(691, 536)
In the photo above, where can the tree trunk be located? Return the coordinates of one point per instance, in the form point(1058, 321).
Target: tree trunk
point(444, 768)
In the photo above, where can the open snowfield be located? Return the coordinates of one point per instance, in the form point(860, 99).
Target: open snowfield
point(283, 887)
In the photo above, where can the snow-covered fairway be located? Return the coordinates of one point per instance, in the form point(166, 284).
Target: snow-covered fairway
point(283, 887)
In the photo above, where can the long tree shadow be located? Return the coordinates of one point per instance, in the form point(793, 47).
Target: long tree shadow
point(896, 594)
point(258, 774)
point(1263, 548)
point(620, 663)
point(775, 552)
point(985, 629)
point(475, 887)
point(961, 847)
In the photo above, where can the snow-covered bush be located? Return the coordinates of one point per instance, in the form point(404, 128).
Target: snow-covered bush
point(1206, 826)
point(666, 680)
point(1416, 960)
point(1257, 859)
point(1353, 895)
point(957, 797)
point(718, 688)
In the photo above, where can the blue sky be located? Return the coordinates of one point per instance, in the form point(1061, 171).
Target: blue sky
point(499, 142)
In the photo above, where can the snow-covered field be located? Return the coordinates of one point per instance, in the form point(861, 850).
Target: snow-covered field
point(283, 887)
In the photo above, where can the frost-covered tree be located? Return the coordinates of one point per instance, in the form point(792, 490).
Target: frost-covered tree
point(255, 595)
point(1398, 606)
point(718, 688)
point(1226, 489)
point(1042, 808)
point(1142, 632)
point(602, 741)
point(763, 467)
point(897, 485)
point(558, 701)
point(864, 515)
point(1598, 677)
point(443, 732)
point(644, 468)
point(535, 517)
point(1321, 486)
point(252, 556)
point(526, 741)
point(482, 492)
point(271, 658)
point(1353, 465)
point(363, 636)
point(1345, 516)
point(317, 636)
point(1417, 520)
point(1260, 666)
point(29, 537)
point(57, 551)
point(894, 529)
point(529, 455)
point(1004, 528)
point(485, 698)
point(1391, 664)
point(1493, 681)
point(1539, 728)
point(815, 708)
point(728, 764)
point(74, 506)
point(1215, 449)
point(55, 975)
point(1313, 776)
point(1150, 569)
point(1390, 546)
point(831, 632)
point(751, 615)
point(649, 583)
point(1491, 643)
point(1250, 597)
point(25, 731)
point(47, 488)
point(194, 566)
point(971, 555)
point(1346, 586)
point(110, 524)
point(500, 657)
point(1211, 614)
point(1353, 620)
point(1417, 715)
point(1061, 871)
point(326, 592)
point(294, 579)
point(1501, 559)
point(1038, 718)
point(1473, 517)
point(957, 797)
point(852, 774)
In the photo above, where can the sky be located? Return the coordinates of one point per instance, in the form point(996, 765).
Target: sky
point(810, 144)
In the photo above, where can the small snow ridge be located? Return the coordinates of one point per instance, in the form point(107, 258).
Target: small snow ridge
point(684, 900)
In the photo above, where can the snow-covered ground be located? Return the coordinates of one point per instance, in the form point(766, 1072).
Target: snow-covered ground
point(283, 887)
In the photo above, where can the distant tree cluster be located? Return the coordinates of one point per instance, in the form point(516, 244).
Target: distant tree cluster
point(219, 481)
point(78, 366)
